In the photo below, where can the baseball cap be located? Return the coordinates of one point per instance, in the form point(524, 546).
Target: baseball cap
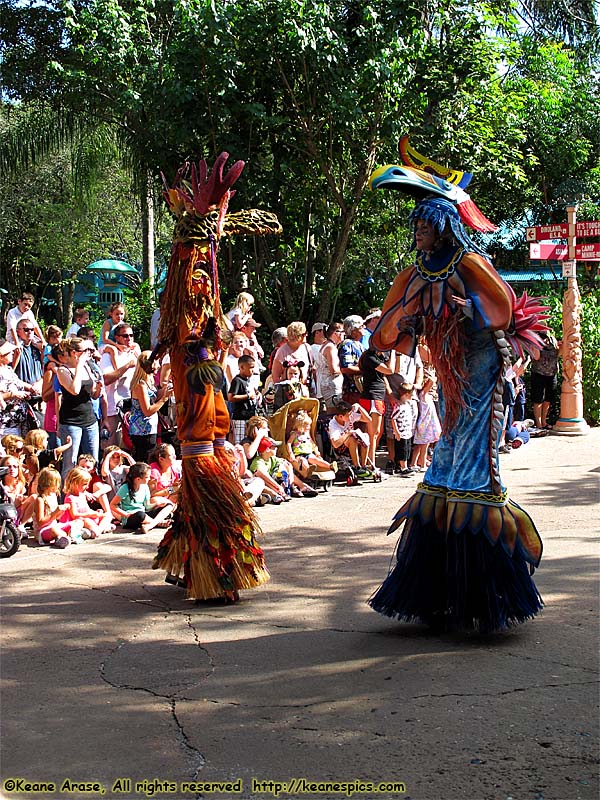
point(353, 322)
point(252, 322)
point(6, 348)
point(266, 442)
point(318, 326)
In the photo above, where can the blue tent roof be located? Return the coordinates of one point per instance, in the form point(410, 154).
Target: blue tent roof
point(111, 265)
point(528, 275)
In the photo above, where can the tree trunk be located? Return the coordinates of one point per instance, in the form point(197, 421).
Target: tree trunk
point(347, 218)
point(147, 206)
point(68, 310)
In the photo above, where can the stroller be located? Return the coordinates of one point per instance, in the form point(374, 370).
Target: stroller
point(280, 425)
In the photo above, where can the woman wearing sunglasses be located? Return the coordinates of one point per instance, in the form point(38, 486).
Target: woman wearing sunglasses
point(79, 386)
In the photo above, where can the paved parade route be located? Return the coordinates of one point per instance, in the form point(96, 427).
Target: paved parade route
point(109, 675)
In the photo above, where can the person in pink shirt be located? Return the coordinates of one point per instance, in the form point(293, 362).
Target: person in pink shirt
point(295, 346)
point(77, 497)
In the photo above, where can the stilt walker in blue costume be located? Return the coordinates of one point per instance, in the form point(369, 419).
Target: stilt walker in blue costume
point(467, 551)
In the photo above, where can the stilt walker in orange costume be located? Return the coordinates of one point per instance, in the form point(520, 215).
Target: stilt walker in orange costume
point(211, 546)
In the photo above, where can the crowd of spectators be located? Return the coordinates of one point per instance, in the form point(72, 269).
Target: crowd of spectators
point(106, 452)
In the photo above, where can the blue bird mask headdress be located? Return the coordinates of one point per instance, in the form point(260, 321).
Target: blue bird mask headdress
point(440, 191)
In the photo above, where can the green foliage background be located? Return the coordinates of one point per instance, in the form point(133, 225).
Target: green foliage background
point(101, 96)
point(590, 346)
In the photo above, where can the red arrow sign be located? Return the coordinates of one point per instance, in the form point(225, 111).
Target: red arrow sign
point(559, 252)
point(561, 231)
point(588, 252)
point(548, 252)
point(586, 229)
point(540, 232)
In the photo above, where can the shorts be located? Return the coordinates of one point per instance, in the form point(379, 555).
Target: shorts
point(543, 388)
point(402, 449)
point(387, 417)
point(372, 406)
point(238, 427)
point(362, 440)
point(135, 520)
point(45, 534)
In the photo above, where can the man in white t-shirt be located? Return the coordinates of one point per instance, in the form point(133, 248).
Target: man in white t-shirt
point(23, 311)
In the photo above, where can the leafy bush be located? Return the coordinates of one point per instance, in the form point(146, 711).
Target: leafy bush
point(140, 304)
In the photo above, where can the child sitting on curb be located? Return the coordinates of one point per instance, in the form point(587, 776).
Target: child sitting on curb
point(303, 452)
point(95, 523)
point(133, 505)
point(267, 461)
point(46, 525)
point(345, 439)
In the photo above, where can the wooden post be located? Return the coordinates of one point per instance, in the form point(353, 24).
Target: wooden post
point(571, 419)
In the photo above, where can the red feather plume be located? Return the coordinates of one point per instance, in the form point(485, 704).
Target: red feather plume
point(529, 320)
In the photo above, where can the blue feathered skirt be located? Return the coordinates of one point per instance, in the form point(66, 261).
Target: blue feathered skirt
point(467, 552)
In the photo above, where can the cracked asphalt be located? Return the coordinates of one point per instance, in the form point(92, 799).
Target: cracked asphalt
point(109, 674)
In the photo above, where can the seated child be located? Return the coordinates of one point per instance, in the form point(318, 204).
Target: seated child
point(77, 496)
point(266, 462)
point(15, 489)
point(134, 507)
point(291, 388)
point(165, 472)
point(98, 489)
point(113, 470)
point(517, 434)
point(47, 524)
point(302, 449)
point(38, 439)
point(251, 486)
point(346, 439)
point(256, 429)
point(30, 467)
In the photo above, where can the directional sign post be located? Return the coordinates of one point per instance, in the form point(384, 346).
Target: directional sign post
point(571, 398)
point(571, 419)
